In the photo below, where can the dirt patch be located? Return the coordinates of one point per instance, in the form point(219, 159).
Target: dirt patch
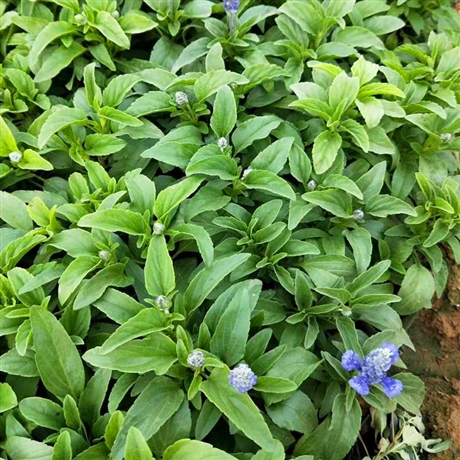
point(436, 336)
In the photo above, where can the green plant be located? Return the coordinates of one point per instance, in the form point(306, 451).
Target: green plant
point(202, 210)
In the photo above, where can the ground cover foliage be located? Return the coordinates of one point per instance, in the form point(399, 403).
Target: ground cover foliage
point(188, 188)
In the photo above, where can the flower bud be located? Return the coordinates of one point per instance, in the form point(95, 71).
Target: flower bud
point(115, 14)
point(346, 311)
point(104, 255)
point(246, 172)
point(242, 378)
point(222, 143)
point(15, 157)
point(181, 98)
point(80, 19)
point(195, 359)
point(446, 137)
point(358, 214)
point(311, 185)
point(162, 302)
point(158, 228)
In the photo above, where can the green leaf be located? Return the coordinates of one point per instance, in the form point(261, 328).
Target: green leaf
point(136, 447)
point(43, 412)
point(118, 88)
point(172, 196)
point(252, 130)
point(116, 220)
point(343, 90)
point(268, 182)
point(238, 407)
point(151, 102)
point(358, 133)
point(274, 385)
point(161, 393)
point(155, 353)
point(232, 331)
point(274, 157)
point(51, 32)
point(71, 413)
point(103, 144)
point(13, 211)
point(381, 25)
point(202, 238)
point(93, 289)
point(160, 278)
point(8, 398)
point(223, 117)
point(144, 323)
point(58, 360)
point(212, 163)
point(110, 28)
point(210, 82)
point(118, 306)
point(384, 205)
point(58, 60)
point(358, 37)
point(371, 110)
point(333, 439)
point(63, 447)
point(7, 141)
point(368, 277)
point(207, 419)
point(343, 183)
point(194, 450)
point(19, 448)
point(59, 120)
point(325, 150)
point(208, 278)
point(31, 160)
point(118, 116)
point(15, 364)
point(361, 243)
point(73, 275)
point(417, 290)
point(93, 395)
point(347, 330)
point(413, 393)
point(296, 413)
point(336, 202)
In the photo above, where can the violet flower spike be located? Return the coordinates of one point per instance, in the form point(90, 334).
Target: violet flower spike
point(231, 6)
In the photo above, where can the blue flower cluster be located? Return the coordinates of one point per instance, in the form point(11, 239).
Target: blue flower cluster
point(231, 5)
point(373, 370)
point(242, 378)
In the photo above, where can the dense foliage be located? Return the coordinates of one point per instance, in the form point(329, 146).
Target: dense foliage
point(212, 221)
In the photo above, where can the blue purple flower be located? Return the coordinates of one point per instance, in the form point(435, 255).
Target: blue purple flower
point(372, 370)
point(242, 378)
point(231, 5)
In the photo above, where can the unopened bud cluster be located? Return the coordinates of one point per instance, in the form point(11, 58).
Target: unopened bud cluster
point(15, 157)
point(162, 303)
point(180, 98)
point(104, 255)
point(158, 228)
point(246, 172)
point(195, 359)
point(222, 143)
point(242, 378)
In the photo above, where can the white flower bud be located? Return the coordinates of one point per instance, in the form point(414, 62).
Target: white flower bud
point(246, 172)
point(158, 228)
point(312, 185)
point(446, 137)
point(358, 214)
point(80, 19)
point(104, 255)
point(181, 98)
point(346, 311)
point(222, 143)
point(162, 302)
point(15, 157)
point(195, 359)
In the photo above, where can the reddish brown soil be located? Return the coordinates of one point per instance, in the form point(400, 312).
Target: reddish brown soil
point(436, 335)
